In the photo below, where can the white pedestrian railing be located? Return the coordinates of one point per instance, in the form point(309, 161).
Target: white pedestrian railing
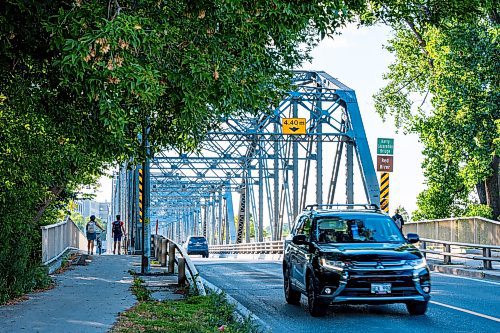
point(272, 247)
point(473, 230)
point(59, 238)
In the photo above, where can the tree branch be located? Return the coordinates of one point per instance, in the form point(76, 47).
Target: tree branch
point(55, 192)
point(421, 41)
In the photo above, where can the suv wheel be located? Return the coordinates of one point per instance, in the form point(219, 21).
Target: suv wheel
point(417, 308)
point(315, 307)
point(291, 296)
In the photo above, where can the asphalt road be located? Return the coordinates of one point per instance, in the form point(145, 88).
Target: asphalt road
point(457, 304)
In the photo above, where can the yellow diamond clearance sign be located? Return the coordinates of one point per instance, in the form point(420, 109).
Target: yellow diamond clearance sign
point(293, 125)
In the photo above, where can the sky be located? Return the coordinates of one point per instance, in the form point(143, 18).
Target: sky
point(357, 59)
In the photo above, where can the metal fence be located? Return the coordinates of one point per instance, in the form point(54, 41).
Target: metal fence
point(439, 248)
point(273, 247)
point(487, 256)
point(475, 230)
point(60, 237)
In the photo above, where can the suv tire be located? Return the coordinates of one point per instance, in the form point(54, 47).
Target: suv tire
point(291, 296)
point(416, 308)
point(315, 306)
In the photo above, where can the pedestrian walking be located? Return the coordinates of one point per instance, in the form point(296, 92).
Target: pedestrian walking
point(117, 231)
point(91, 229)
point(398, 219)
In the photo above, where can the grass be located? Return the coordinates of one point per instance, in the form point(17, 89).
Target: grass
point(195, 314)
point(140, 291)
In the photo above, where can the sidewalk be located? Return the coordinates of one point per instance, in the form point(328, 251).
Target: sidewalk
point(85, 299)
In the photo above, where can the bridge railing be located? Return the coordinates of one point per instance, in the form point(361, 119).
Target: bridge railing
point(428, 246)
point(272, 247)
point(472, 230)
point(60, 237)
point(169, 253)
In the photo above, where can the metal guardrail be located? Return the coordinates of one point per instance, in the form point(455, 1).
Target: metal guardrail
point(473, 230)
point(272, 247)
point(60, 237)
point(447, 253)
point(165, 250)
point(276, 247)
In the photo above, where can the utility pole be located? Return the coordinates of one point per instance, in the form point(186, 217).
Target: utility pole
point(145, 202)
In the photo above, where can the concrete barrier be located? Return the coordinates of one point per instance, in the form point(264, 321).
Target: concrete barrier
point(475, 230)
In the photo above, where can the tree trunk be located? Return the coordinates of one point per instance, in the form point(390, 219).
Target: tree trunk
point(493, 188)
point(54, 194)
point(481, 192)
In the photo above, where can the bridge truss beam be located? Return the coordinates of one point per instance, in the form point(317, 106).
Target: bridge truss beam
point(250, 157)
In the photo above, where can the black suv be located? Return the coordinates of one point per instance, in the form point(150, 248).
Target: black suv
point(352, 255)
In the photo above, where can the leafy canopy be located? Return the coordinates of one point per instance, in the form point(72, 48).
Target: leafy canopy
point(443, 85)
point(80, 79)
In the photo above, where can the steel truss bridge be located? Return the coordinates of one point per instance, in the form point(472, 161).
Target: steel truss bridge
point(249, 180)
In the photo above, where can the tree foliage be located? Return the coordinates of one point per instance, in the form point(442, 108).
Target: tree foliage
point(81, 79)
point(446, 56)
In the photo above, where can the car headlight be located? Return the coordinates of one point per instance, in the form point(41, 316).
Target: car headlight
point(417, 263)
point(333, 264)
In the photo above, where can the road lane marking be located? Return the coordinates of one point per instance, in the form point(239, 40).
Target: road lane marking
point(467, 311)
point(466, 278)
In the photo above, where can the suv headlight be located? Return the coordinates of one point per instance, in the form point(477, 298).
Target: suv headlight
point(417, 263)
point(333, 264)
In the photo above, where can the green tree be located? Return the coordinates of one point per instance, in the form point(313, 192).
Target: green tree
point(80, 80)
point(446, 54)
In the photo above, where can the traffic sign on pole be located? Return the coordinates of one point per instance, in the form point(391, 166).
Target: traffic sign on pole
point(295, 126)
point(385, 164)
point(385, 146)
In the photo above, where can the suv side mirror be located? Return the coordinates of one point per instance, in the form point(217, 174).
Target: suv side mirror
point(299, 239)
point(413, 238)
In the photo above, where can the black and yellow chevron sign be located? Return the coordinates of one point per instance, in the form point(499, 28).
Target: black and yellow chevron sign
point(384, 191)
point(141, 192)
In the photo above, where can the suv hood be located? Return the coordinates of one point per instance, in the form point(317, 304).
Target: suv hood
point(370, 251)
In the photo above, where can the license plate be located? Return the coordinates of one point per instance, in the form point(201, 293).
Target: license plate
point(381, 288)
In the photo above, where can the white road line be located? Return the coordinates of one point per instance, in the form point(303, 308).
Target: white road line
point(467, 311)
point(465, 278)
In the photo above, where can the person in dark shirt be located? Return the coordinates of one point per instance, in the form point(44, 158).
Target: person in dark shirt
point(398, 219)
point(117, 231)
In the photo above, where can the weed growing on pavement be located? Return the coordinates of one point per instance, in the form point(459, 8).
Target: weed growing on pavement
point(140, 291)
point(195, 314)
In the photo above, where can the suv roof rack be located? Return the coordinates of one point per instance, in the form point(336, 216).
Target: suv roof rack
point(366, 206)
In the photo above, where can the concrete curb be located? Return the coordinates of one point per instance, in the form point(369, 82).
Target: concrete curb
point(241, 311)
point(461, 271)
point(56, 264)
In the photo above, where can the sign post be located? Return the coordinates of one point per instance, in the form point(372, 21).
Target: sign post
point(385, 164)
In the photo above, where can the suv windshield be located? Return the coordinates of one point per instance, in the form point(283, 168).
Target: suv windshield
point(336, 229)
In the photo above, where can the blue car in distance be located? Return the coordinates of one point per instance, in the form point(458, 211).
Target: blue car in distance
point(197, 245)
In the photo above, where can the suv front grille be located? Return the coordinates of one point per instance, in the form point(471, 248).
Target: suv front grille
point(382, 264)
point(363, 274)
